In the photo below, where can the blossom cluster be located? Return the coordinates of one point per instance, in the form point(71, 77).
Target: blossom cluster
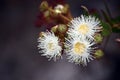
point(77, 39)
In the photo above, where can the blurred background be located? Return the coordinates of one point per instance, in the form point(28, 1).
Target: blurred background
point(19, 57)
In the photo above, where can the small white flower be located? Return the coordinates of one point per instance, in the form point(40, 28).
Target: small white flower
point(49, 46)
point(79, 50)
point(84, 26)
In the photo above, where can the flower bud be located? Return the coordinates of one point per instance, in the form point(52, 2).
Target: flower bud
point(54, 28)
point(43, 6)
point(46, 13)
point(62, 28)
point(99, 53)
point(98, 38)
point(41, 34)
point(65, 9)
point(59, 8)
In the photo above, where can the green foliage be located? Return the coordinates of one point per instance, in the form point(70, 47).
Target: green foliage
point(106, 29)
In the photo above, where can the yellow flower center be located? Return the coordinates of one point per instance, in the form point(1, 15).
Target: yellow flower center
point(79, 48)
point(50, 46)
point(83, 28)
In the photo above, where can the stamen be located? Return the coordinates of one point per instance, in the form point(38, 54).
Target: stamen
point(83, 29)
point(79, 48)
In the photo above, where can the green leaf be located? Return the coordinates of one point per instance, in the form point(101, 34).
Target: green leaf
point(106, 29)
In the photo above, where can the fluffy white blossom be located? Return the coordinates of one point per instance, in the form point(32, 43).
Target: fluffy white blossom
point(84, 26)
point(49, 46)
point(79, 50)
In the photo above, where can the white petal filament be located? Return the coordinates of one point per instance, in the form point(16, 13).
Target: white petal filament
point(49, 46)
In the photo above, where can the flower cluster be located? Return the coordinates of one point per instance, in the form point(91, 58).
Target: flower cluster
point(79, 44)
point(76, 37)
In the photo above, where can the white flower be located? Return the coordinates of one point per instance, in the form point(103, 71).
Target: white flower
point(84, 26)
point(79, 50)
point(49, 46)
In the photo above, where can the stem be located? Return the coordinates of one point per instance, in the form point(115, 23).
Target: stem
point(62, 16)
point(86, 9)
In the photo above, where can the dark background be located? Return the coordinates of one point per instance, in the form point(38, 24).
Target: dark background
point(19, 58)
